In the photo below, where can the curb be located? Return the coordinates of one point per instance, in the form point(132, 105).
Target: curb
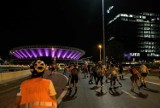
point(62, 95)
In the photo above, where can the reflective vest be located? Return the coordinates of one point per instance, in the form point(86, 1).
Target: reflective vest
point(35, 94)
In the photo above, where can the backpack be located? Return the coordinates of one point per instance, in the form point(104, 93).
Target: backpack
point(135, 71)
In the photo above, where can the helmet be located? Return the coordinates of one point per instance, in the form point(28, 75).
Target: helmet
point(37, 68)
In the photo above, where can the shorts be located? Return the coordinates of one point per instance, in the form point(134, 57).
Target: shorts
point(144, 74)
point(74, 79)
point(134, 77)
point(113, 76)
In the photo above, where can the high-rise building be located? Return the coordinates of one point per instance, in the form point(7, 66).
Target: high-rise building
point(136, 30)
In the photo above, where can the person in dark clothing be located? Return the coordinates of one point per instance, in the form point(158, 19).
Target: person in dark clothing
point(120, 69)
point(73, 78)
point(94, 73)
point(53, 68)
point(100, 73)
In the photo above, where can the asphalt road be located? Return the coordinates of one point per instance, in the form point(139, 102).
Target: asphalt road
point(89, 97)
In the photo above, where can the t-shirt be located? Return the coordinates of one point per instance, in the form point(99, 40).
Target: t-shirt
point(134, 71)
point(74, 71)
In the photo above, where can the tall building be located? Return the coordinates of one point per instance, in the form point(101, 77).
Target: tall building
point(137, 29)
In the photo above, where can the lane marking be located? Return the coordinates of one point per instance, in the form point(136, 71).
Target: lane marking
point(128, 94)
point(153, 83)
point(62, 95)
point(149, 82)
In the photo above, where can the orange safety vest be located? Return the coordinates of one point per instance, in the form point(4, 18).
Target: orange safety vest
point(35, 92)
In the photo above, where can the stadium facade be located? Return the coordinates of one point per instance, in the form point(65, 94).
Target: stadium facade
point(53, 52)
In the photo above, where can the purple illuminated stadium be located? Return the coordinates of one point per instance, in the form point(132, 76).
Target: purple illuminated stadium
point(52, 51)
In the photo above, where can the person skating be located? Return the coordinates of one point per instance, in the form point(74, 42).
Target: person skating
point(36, 92)
point(91, 75)
point(94, 73)
point(144, 72)
point(134, 78)
point(73, 79)
point(113, 73)
point(120, 69)
point(100, 73)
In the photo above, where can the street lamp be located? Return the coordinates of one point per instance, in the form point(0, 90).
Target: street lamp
point(100, 48)
point(103, 28)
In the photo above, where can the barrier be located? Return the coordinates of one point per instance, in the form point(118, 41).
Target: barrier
point(8, 76)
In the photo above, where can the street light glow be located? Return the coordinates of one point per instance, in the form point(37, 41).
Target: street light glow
point(100, 48)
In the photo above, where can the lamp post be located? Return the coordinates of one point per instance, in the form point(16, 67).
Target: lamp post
point(103, 29)
point(100, 48)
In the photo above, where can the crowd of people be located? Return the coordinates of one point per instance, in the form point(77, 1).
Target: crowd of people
point(38, 91)
point(114, 73)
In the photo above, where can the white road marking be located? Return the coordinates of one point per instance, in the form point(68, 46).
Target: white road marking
point(149, 82)
point(128, 94)
point(62, 95)
point(153, 83)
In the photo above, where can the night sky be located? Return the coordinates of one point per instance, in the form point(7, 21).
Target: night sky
point(73, 23)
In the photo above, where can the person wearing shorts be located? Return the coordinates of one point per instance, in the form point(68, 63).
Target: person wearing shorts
point(144, 72)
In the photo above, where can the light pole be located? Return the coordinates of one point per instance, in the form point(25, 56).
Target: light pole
point(103, 29)
point(100, 48)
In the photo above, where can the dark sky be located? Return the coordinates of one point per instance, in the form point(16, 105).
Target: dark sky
point(74, 23)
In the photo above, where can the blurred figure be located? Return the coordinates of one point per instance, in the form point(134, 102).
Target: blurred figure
point(36, 92)
point(144, 72)
point(134, 77)
point(65, 69)
point(100, 73)
point(91, 74)
point(107, 75)
point(53, 68)
point(120, 69)
point(94, 73)
point(113, 73)
point(85, 70)
point(73, 79)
